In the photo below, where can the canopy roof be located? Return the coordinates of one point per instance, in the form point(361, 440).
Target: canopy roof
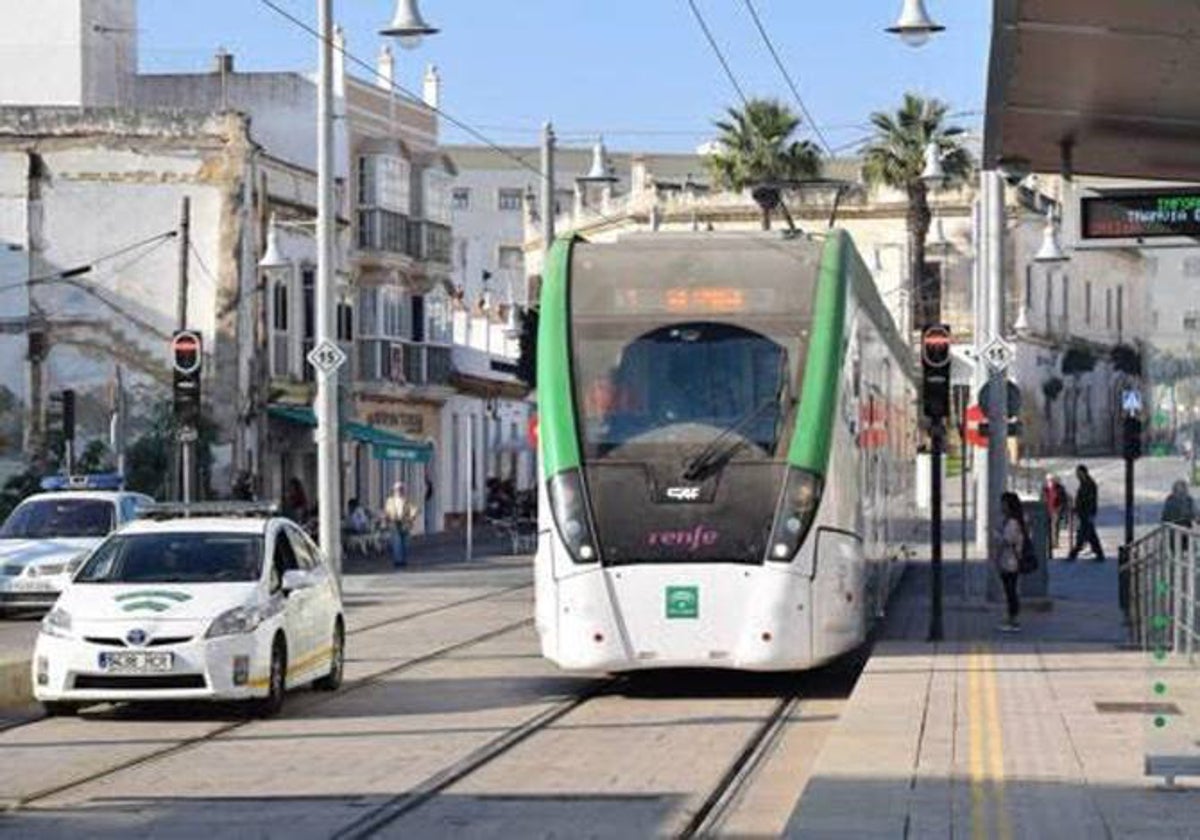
point(1096, 87)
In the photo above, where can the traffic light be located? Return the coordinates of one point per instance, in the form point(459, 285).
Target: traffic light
point(527, 360)
point(61, 413)
point(187, 359)
point(935, 369)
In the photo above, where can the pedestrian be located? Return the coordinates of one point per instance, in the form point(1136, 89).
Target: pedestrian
point(1179, 509)
point(1054, 495)
point(1085, 517)
point(357, 521)
point(295, 502)
point(400, 513)
point(1013, 534)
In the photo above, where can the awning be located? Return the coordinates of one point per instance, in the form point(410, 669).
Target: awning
point(1101, 87)
point(385, 445)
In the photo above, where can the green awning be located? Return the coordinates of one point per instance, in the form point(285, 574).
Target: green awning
point(385, 445)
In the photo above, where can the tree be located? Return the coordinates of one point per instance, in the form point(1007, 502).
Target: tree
point(895, 157)
point(756, 151)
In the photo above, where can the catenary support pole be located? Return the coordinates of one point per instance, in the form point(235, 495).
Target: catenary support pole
point(328, 470)
point(470, 486)
point(187, 435)
point(997, 408)
point(937, 433)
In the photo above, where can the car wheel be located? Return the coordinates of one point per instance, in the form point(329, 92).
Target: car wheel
point(337, 663)
point(57, 708)
point(276, 683)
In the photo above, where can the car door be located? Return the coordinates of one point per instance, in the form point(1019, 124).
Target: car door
point(307, 600)
point(295, 620)
point(324, 599)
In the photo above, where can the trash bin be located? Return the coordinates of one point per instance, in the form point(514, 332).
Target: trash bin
point(1037, 583)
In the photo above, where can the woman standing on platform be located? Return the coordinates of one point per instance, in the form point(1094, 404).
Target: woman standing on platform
point(1012, 539)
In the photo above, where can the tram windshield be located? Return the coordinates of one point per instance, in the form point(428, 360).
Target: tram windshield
point(692, 384)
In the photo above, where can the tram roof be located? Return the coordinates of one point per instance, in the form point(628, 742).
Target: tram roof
point(1096, 87)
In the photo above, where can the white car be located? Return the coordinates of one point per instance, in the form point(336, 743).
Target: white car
point(207, 608)
point(47, 536)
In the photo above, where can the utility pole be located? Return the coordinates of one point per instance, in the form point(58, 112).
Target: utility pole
point(548, 141)
point(187, 432)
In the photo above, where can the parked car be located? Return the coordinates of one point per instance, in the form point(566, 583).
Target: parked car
point(47, 536)
point(212, 607)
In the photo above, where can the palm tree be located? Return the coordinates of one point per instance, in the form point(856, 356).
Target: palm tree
point(895, 157)
point(756, 151)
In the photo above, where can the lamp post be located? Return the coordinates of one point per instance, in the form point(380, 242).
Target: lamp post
point(915, 26)
point(408, 27)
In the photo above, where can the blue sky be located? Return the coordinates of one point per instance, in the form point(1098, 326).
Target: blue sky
point(640, 72)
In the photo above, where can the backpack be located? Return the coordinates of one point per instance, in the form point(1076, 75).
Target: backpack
point(1027, 561)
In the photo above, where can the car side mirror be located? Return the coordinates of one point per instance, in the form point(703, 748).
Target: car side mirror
point(297, 579)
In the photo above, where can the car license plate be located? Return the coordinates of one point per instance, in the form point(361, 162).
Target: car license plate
point(136, 662)
point(32, 585)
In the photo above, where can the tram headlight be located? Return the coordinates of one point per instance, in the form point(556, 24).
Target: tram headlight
point(794, 518)
point(570, 511)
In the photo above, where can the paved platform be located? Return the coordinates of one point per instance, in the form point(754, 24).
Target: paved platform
point(1041, 734)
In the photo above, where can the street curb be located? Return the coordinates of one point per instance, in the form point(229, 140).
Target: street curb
point(15, 686)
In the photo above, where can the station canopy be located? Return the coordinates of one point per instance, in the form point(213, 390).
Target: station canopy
point(1114, 85)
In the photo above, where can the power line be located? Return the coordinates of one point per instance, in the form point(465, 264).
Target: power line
point(712, 42)
point(85, 268)
point(787, 77)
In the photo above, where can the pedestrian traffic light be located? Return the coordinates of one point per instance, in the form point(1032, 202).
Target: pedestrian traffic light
point(527, 360)
point(187, 359)
point(935, 369)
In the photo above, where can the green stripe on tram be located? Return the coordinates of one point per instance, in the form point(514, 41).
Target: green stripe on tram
point(556, 406)
point(813, 434)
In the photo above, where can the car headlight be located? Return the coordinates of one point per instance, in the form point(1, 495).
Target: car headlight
point(235, 621)
point(57, 623)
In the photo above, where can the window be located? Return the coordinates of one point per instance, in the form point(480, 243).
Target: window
point(1087, 403)
point(1029, 287)
point(368, 312)
point(460, 198)
point(511, 257)
point(439, 326)
point(279, 306)
point(437, 196)
point(1120, 307)
point(345, 322)
point(394, 314)
point(1066, 297)
point(383, 181)
point(308, 281)
point(1087, 302)
point(303, 550)
point(284, 560)
point(462, 254)
point(510, 199)
point(1191, 321)
point(1108, 297)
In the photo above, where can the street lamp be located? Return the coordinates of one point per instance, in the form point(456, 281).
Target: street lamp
point(1051, 251)
point(408, 27)
point(934, 174)
point(915, 26)
point(326, 356)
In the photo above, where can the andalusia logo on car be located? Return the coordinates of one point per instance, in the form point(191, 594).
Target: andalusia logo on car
point(155, 600)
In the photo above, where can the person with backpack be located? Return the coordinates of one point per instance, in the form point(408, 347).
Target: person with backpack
point(1014, 558)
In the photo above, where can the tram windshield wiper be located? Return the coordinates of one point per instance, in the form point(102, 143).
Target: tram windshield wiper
point(714, 453)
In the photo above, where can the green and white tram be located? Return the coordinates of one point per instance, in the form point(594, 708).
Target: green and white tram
point(727, 441)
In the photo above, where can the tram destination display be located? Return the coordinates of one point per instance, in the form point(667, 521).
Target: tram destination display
point(1141, 215)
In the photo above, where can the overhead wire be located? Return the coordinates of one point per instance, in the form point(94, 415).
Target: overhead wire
point(86, 267)
point(762, 30)
point(712, 42)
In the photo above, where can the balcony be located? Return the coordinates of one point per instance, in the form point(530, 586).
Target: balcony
point(404, 363)
point(384, 232)
point(430, 242)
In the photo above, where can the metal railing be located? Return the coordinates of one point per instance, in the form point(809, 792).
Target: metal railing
point(1159, 590)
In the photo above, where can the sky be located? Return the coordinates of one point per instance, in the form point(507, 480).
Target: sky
point(640, 73)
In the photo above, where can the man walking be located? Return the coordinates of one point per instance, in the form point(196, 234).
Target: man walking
point(1085, 515)
point(400, 513)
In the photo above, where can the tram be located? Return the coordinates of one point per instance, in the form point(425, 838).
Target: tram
point(727, 437)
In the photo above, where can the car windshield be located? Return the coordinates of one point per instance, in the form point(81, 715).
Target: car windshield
point(175, 558)
point(39, 519)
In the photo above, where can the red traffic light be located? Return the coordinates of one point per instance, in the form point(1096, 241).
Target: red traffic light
point(186, 352)
point(935, 346)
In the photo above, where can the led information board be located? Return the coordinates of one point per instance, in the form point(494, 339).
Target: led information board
point(1140, 215)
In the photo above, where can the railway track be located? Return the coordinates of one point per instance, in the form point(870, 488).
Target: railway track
point(312, 701)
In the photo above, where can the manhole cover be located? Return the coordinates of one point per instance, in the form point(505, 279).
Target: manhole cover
point(1138, 709)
